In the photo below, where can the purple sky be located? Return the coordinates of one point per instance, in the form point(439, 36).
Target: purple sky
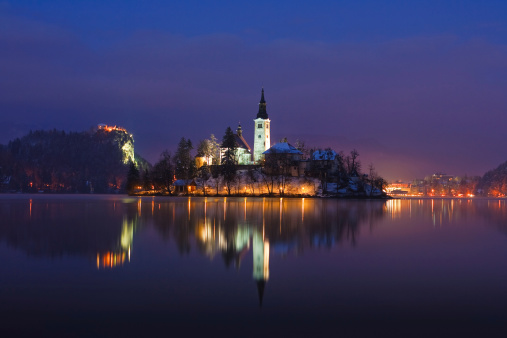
point(414, 88)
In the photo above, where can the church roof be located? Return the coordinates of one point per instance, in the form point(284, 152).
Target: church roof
point(242, 142)
point(282, 148)
point(262, 114)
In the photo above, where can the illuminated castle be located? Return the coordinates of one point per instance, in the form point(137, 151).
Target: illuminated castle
point(126, 142)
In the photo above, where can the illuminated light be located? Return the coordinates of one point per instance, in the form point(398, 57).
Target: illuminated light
point(303, 209)
point(266, 260)
point(129, 253)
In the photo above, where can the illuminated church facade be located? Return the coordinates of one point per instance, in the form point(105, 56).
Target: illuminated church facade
point(262, 140)
point(262, 127)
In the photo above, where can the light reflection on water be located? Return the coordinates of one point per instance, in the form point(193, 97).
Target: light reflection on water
point(342, 259)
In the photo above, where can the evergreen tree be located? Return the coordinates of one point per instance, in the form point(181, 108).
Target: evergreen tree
point(184, 163)
point(204, 174)
point(163, 172)
point(203, 149)
point(214, 150)
point(229, 159)
point(133, 179)
point(147, 184)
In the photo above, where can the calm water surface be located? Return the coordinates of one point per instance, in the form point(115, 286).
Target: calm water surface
point(114, 265)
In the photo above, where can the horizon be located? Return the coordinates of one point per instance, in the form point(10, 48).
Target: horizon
point(416, 89)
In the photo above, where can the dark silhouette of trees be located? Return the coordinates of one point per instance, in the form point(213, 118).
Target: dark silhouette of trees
point(184, 162)
point(133, 178)
point(163, 173)
point(56, 161)
point(146, 179)
point(229, 159)
point(353, 164)
point(203, 173)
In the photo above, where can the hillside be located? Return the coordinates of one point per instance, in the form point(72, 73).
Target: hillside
point(494, 182)
point(56, 161)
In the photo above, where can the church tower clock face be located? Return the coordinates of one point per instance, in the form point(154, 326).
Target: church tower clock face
point(262, 130)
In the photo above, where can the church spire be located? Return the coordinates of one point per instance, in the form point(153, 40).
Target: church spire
point(262, 114)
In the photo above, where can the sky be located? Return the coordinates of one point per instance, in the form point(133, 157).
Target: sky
point(417, 87)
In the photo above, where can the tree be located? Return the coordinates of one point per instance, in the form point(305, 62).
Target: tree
point(372, 179)
point(229, 159)
point(204, 150)
point(215, 173)
point(300, 145)
point(251, 180)
point(184, 163)
point(214, 150)
point(278, 167)
point(353, 164)
point(380, 184)
point(133, 179)
point(163, 172)
point(203, 173)
point(147, 184)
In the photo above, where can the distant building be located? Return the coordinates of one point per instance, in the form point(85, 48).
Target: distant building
point(325, 161)
point(184, 186)
point(283, 156)
point(398, 188)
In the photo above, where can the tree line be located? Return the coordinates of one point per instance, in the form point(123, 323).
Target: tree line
point(219, 169)
point(56, 161)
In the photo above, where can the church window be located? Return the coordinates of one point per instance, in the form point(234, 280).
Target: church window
point(259, 136)
point(259, 125)
point(267, 125)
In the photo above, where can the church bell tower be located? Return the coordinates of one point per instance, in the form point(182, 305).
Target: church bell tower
point(261, 132)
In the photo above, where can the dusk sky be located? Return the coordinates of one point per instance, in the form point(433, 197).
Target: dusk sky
point(415, 87)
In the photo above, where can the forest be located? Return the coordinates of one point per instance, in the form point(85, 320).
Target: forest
point(94, 161)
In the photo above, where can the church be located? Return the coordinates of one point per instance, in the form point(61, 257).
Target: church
point(262, 142)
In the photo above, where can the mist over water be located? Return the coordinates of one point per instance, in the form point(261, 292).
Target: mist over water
point(112, 265)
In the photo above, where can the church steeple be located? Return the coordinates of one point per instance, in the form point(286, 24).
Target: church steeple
point(262, 114)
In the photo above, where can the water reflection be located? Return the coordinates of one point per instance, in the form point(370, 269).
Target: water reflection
point(103, 229)
point(450, 211)
point(118, 254)
point(233, 227)
point(116, 265)
point(56, 227)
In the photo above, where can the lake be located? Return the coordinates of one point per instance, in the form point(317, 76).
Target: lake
point(99, 266)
